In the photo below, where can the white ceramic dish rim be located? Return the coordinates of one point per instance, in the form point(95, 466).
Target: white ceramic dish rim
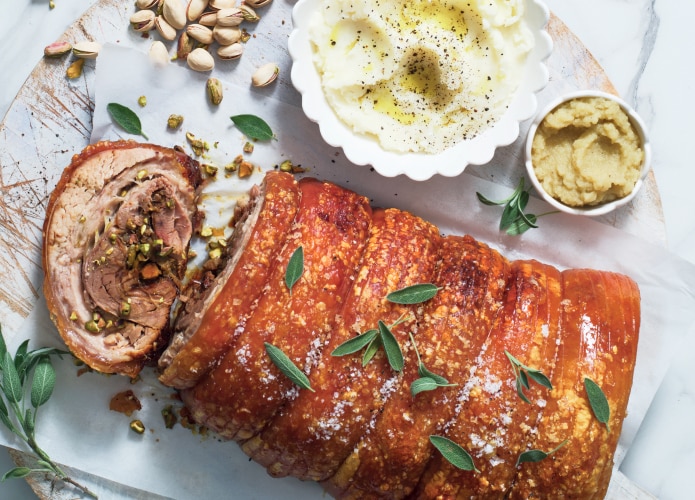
point(363, 150)
point(604, 208)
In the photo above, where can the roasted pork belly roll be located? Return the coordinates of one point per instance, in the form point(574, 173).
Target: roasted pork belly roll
point(215, 315)
point(314, 433)
point(116, 236)
point(244, 391)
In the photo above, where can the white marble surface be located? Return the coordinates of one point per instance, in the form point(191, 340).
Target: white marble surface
point(645, 48)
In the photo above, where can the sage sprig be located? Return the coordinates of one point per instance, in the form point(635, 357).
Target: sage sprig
point(32, 372)
point(372, 340)
point(537, 455)
point(598, 402)
point(522, 373)
point(515, 220)
point(453, 453)
point(287, 367)
point(427, 380)
point(125, 118)
point(295, 268)
point(414, 294)
point(253, 127)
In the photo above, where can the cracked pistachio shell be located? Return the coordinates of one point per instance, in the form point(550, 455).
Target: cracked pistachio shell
point(142, 20)
point(184, 46)
point(230, 17)
point(221, 4)
point(226, 35)
point(158, 53)
point(57, 49)
point(200, 33)
point(86, 50)
point(164, 29)
point(146, 4)
point(229, 52)
point(175, 13)
point(195, 9)
point(265, 75)
point(257, 3)
point(208, 19)
point(249, 14)
point(200, 60)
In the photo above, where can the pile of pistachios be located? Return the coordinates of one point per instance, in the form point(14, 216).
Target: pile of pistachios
point(198, 26)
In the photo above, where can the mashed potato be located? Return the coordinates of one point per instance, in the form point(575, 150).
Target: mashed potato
point(586, 152)
point(420, 75)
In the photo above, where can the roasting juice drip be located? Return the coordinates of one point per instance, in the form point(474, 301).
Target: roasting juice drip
point(420, 75)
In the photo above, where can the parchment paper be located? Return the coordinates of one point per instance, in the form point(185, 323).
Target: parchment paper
point(77, 428)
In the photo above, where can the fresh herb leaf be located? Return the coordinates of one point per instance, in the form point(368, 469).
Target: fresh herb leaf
point(355, 344)
point(455, 454)
point(515, 220)
point(598, 402)
point(414, 294)
point(422, 384)
point(43, 383)
point(125, 118)
point(537, 455)
point(286, 366)
point(522, 374)
point(295, 268)
point(371, 350)
point(391, 347)
point(22, 421)
point(428, 381)
point(253, 127)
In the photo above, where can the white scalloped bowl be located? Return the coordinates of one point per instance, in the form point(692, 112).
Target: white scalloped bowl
point(364, 150)
point(602, 208)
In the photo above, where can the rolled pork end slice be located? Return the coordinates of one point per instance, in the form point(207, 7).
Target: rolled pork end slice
point(115, 245)
point(213, 318)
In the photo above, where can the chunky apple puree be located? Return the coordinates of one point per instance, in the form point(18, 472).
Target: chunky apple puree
point(586, 152)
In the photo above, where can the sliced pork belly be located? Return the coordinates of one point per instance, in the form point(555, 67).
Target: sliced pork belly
point(116, 236)
point(212, 318)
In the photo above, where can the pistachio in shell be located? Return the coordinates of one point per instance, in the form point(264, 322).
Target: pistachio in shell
point(257, 3)
point(195, 9)
point(226, 35)
point(230, 17)
point(229, 52)
point(158, 53)
point(164, 29)
point(200, 33)
point(184, 46)
point(200, 60)
point(142, 20)
point(221, 4)
point(175, 13)
point(208, 19)
point(265, 75)
point(86, 49)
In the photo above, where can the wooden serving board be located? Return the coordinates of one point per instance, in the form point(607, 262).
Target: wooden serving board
point(50, 120)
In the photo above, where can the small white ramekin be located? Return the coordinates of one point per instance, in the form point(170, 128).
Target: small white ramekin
point(603, 208)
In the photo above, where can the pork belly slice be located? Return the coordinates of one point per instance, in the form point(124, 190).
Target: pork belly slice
point(244, 391)
point(313, 434)
point(116, 236)
point(391, 457)
point(215, 314)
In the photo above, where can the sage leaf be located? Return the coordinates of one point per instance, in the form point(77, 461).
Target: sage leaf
point(43, 382)
point(598, 402)
point(355, 344)
point(438, 379)
point(414, 294)
point(453, 453)
point(286, 366)
point(422, 384)
point(522, 374)
point(295, 268)
point(125, 118)
point(539, 378)
point(16, 473)
point(3, 346)
point(253, 127)
point(391, 347)
point(11, 385)
point(371, 350)
point(537, 455)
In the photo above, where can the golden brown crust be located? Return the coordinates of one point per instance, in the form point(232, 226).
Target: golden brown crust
point(313, 435)
point(225, 318)
point(331, 227)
